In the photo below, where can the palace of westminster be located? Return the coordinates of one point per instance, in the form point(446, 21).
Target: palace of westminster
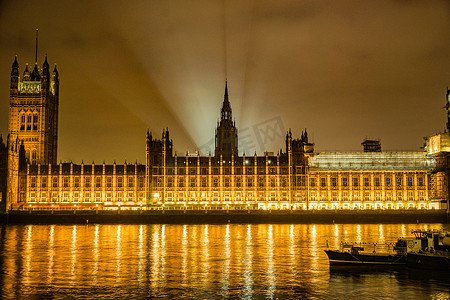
point(296, 178)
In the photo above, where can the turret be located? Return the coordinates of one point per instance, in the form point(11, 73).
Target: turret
point(35, 76)
point(55, 82)
point(45, 78)
point(167, 144)
point(15, 74)
point(26, 74)
point(55, 74)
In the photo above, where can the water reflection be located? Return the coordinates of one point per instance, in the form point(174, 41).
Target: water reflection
point(96, 253)
point(247, 291)
point(198, 261)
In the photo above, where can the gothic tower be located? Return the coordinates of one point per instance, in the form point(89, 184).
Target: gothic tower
point(33, 111)
point(157, 153)
point(226, 132)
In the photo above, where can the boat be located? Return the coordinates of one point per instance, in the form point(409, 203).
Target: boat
point(434, 253)
point(355, 255)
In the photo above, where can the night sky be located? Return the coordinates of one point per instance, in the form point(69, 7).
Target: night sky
point(345, 70)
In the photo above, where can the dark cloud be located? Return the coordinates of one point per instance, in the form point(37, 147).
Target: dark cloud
point(344, 69)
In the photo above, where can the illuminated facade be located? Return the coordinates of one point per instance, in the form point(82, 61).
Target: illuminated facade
point(296, 178)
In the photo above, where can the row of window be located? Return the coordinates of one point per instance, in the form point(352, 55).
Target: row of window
point(215, 182)
point(97, 181)
point(86, 197)
point(239, 181)
point(356, 196)
point(225, 171)
point(366, 181)
point(237, 196)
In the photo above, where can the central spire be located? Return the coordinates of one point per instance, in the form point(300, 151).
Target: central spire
point(226, 132)
point(226, 107)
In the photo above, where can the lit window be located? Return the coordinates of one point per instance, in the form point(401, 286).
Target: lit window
point(33, 181)
point(108, 181)
point(388, 181)
point(249, 182)
point(261, 181)
point(55, 181)
point(130, 182)
point(410, 181)
point(420, 181)
point(272, 181)
point(98, 181)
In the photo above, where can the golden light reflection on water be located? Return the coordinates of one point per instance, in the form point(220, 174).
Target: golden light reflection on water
point(51, 254)
point(96, 253)
point(118, 253)
point(73, 253)
point(177, 261)
point(248, 264)
point(28, 253)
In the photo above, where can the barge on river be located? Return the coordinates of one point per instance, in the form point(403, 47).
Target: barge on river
point(354, 254)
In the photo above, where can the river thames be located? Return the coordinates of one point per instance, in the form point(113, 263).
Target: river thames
point(234, 261)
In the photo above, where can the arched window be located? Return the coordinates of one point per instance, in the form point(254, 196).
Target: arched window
point(29, 121)
point(33, 156)
point(22, 121)
point(35, 121)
